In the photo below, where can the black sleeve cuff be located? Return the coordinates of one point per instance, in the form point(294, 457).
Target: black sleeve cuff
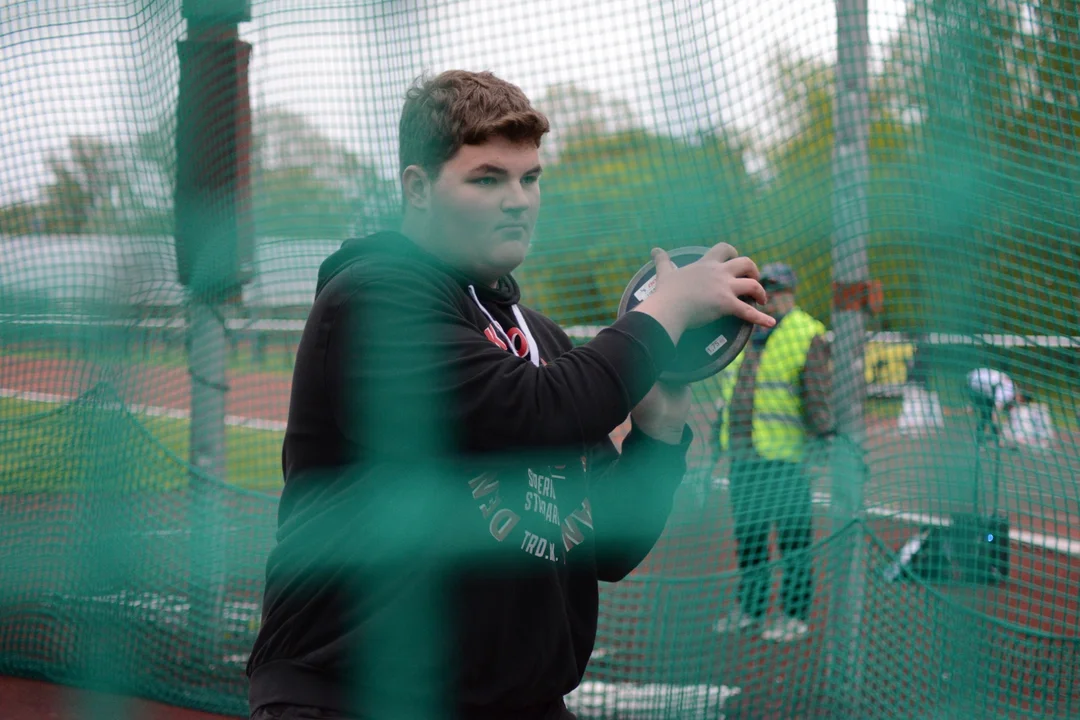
point(648, 331)
point(640, 361)
point(662, 459)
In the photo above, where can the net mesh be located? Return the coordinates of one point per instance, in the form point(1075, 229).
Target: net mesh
point(133, 541)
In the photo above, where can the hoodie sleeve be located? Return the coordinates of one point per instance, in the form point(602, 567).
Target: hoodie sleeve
point(631, 498)
point(406, 371)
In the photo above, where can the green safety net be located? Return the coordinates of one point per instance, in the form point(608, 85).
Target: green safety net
point(943, 140)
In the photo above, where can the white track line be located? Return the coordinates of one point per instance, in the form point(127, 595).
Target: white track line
point(1054, 543)
point(148, 410)
point(186, 531)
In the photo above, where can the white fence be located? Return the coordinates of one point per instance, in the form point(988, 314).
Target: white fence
point(887, 359)
point(577, 332)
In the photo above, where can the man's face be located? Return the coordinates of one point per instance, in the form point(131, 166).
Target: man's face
point(484, 205)
point(780, 302)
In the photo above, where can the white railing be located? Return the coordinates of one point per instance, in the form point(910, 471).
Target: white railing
point(577, 332)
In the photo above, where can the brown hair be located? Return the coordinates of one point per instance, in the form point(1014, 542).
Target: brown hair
point(458, 108)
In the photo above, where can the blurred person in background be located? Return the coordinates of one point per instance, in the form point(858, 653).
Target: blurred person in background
point(774, 401)
point(993, 395)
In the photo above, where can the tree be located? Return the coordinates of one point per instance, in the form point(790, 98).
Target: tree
point(613, 195)
point(85, 188)
point(19, 219)
point(793, 214)
point(306, 185)
point(994, 85)
point(98, 186)
point(577, 113)
point(973, 193)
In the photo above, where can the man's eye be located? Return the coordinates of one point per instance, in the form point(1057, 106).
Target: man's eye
point(530, 179)
point(485, 181)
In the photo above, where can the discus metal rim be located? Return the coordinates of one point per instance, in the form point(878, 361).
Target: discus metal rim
point(732, 347)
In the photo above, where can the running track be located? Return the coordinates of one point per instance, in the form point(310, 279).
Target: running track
point(696, 554)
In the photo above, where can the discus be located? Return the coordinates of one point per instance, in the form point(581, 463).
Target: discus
point(703, 351)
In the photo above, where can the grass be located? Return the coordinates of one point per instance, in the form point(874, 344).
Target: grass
point(52, 448)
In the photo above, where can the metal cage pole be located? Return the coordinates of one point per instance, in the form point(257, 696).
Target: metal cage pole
point(851, 299)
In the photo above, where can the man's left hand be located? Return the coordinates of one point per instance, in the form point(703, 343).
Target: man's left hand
point(662, 413)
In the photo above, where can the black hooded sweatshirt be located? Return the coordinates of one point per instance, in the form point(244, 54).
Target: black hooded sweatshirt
point(451, 494)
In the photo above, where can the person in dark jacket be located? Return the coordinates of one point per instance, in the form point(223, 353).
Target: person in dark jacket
point(452, 497)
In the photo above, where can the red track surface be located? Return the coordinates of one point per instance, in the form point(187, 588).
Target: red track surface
point(907, 629)
point(257, 395)
point(34, 700)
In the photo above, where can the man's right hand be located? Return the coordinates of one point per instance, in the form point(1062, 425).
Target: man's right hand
point(705, 290)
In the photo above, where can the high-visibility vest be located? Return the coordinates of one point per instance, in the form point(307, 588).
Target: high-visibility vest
point(779, 431)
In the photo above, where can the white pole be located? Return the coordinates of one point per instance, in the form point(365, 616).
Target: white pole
point(206, 365)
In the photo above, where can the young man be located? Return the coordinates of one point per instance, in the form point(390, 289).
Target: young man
point(451, 495)
point(775, 399)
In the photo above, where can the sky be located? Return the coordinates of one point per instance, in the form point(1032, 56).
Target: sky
point(110, 68)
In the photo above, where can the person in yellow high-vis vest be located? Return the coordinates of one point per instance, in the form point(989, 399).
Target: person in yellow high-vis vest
point(774, 405)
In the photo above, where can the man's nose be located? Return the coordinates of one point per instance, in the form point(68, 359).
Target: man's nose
point(516, 200)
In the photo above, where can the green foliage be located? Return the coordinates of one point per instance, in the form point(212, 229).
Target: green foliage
point(306, 185)
point(974, 177)
point(610, 198)
point(54, 448)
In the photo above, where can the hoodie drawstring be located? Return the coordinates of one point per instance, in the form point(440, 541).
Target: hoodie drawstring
point(534, 350)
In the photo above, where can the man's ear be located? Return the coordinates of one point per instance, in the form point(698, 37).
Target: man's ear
point(416, 187)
